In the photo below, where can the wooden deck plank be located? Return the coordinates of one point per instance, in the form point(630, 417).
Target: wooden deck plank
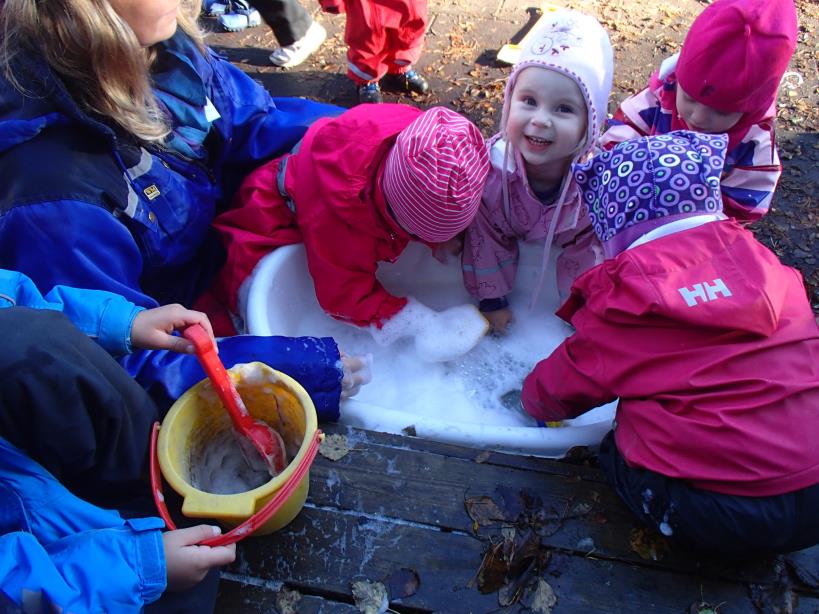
point(425, 482)
point(398, 502)
point(328, 551)
point(237, 597)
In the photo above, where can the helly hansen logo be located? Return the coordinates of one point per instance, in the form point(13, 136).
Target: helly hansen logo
point(704, 292)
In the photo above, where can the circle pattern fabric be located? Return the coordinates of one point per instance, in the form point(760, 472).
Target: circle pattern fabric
point(652, 177)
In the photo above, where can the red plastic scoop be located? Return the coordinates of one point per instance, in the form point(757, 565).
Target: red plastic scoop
point(263, 440)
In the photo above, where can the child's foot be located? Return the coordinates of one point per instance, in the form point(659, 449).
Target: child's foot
point(409, 81)
point(214, 8)
point(370, 93)
point(415, 82)
point(240, 20)
point(294, 54)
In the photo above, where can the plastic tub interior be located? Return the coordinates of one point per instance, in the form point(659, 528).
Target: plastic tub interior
point(465, 401)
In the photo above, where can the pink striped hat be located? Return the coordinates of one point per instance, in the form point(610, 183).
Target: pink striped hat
point(434, 175)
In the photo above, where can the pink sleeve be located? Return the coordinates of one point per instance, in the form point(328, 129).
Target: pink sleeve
point(582, 254)
point(627, 123)
point(564, 385)
point(490, 257)
point(751, 174)
point(343, 263)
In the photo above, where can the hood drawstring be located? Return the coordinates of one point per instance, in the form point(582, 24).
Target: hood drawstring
point(558, 206)
point(547, 247)
point(507, 207)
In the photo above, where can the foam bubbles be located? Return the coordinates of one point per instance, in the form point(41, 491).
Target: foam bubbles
point(218, 466)
point(469, 388)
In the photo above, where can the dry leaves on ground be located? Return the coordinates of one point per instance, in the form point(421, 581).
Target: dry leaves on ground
point(334, 447)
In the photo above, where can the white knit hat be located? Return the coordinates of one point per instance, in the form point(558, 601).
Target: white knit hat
point(577, 46)
point(434, 175)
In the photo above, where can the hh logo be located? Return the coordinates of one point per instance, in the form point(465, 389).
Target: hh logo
point(704, 292)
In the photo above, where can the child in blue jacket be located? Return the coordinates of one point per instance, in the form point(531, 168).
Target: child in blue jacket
point(68, 410)
point(122, 151)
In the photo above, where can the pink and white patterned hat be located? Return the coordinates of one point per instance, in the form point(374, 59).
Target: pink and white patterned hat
point(435, 173)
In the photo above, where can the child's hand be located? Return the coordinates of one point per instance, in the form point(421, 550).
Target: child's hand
point(187, 563)
point(357, 372)
point(152, 328)
point(499, 320)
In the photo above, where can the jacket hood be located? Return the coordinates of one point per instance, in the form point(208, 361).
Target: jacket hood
point(577, 46)
point(715, 276)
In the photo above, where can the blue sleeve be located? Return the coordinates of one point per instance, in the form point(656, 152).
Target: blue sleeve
point(69, 233)
point(313, 362)
point(57, 550)
point(257, 127)
point(94, 571)
point(101, 315)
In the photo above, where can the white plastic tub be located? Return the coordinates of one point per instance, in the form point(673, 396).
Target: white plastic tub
point(455, 402)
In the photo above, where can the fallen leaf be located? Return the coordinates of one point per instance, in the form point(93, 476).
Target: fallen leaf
point(542, 599)
point(370, 597)
point(483, 511)
point(649, 544)
point(492, 572)
point(525, 548)
point(513, 502)
point(409, 431)
point(403, 583)
point(287, 601)
point(509, 594)
point(334, 447)
point(507, 565)
point(483, 456)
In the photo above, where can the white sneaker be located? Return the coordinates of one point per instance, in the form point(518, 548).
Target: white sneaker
point(295, 54)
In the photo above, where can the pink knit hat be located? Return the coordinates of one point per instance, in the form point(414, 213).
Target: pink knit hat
point(736, 52)
point(434, 175)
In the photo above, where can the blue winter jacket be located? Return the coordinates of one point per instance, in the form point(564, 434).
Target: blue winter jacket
point(103, 316)
point(59, 553)
point(82, 204)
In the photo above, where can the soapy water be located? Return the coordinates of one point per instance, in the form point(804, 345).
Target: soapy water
point(226, 463)
point(468, 389)
point(218, 466)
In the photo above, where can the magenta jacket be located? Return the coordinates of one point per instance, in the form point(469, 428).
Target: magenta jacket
point(713, 350)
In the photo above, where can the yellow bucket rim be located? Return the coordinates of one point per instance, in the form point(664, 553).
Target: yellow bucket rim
point(186, 490)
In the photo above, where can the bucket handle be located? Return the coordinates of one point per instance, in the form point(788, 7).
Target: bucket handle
point(256, 520)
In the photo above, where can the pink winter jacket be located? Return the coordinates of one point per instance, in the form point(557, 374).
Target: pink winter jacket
point(711, 346)
point(490, 255)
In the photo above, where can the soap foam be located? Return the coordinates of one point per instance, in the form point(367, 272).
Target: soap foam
point(467, 389)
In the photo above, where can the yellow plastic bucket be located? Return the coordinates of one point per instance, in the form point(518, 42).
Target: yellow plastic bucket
point(198, 416)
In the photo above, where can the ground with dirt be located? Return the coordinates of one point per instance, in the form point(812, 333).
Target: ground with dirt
point(460, 62)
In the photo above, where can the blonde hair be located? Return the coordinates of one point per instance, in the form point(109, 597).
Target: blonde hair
point(95, 53)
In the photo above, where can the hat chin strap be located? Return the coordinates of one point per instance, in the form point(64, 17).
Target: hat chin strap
point(582, 149)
